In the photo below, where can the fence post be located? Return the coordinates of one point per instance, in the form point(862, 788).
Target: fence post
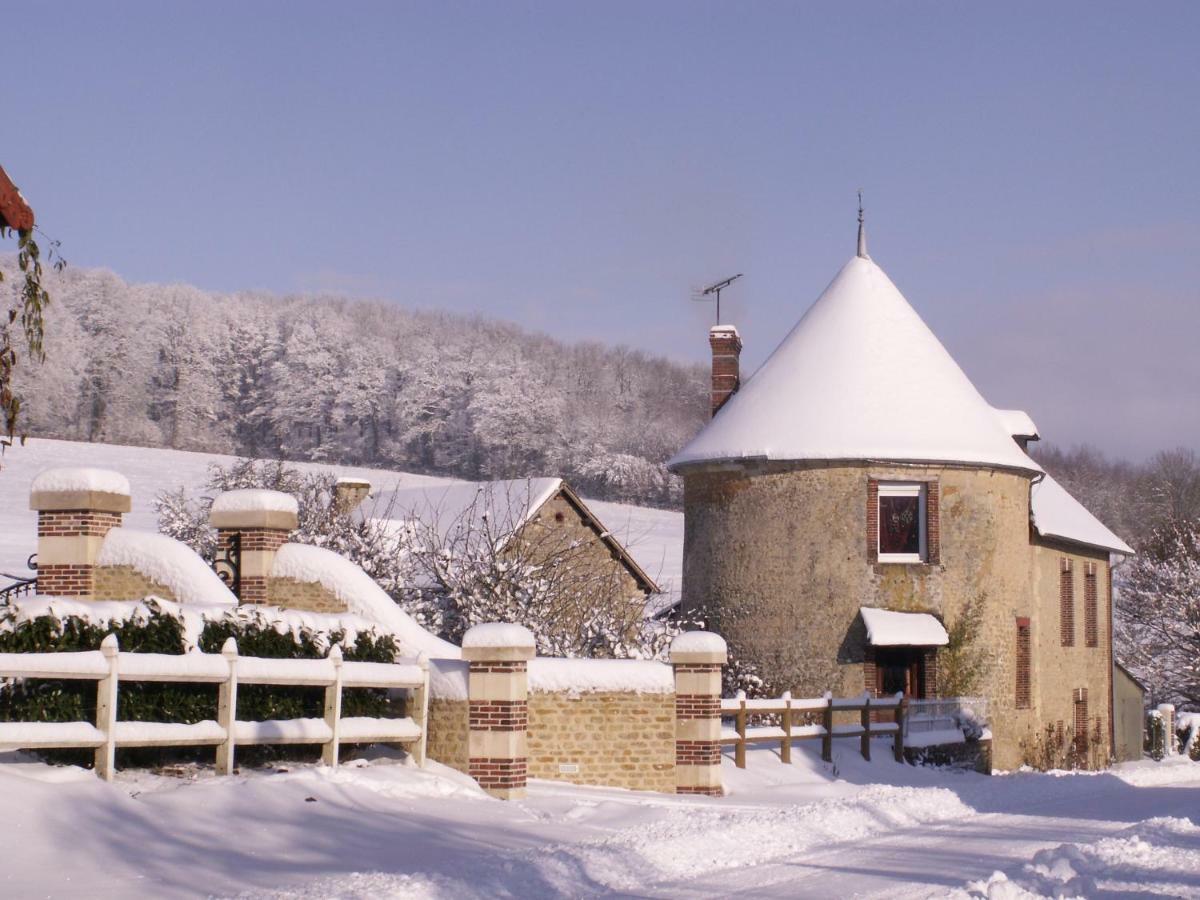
point(106, 709)
point(498, 707)
point(785, 747)
point(865, 740)
point(827, 723)
point(901, 720)
point(697, 657)
point(333, 709)
point(421, 708)
point(227, 708)
point(739, 749)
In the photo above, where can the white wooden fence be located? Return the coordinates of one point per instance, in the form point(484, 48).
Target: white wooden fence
point(787, 708)
point(108, 667)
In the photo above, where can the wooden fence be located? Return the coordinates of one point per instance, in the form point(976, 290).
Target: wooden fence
point(108, 667)
point(787, 708)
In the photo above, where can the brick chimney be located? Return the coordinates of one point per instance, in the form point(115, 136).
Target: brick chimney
point(726, 346)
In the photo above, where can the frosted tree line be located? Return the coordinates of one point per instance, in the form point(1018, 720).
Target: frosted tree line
point(325, 378)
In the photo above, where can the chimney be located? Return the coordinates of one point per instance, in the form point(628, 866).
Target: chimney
point(726, 346)
point(349, 493)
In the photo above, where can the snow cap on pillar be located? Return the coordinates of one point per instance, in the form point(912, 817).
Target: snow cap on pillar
point(498, 641)
point(80, 488)
point(699, 647)
point(250, 508)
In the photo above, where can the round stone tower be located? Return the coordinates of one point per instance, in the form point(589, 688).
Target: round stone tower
point(859, 469)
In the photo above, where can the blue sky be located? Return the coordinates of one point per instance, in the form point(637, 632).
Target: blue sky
point(1030, 171)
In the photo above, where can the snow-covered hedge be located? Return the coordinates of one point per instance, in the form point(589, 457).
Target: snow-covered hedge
point(154, 626)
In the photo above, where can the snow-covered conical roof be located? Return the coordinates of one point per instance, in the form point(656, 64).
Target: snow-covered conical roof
point(860, 377)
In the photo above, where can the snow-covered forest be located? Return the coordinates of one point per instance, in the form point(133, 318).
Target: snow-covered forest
point(329, 379)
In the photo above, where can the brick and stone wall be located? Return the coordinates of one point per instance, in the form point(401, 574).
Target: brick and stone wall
point(306, 595)
point(624, 739)
point(449, 733)
point(261, 531)
point(71, 527)
point(126, 583)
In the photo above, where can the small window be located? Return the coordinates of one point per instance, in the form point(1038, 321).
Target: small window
point(902, 522)
point(1024, 692)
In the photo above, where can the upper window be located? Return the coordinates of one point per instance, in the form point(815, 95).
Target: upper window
point(902, 527)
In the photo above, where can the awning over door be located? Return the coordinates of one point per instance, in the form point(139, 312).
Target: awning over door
point(898, 629)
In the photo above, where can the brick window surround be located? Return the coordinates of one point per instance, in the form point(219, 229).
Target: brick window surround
point(1081, 720)
point(933, 522)
point(1066, 601)
point(1024, 692)
point(1091, 617)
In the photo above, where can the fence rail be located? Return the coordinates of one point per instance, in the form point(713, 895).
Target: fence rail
point(786, 707)
point(108, 666)
point(926, 716)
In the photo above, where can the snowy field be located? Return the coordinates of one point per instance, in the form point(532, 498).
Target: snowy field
point(380, 828)
point(653, 536)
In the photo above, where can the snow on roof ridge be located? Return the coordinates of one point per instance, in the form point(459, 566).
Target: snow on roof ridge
point(859, 377)
point(82, 479)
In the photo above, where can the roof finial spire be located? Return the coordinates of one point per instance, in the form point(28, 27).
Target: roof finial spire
point(862, 231)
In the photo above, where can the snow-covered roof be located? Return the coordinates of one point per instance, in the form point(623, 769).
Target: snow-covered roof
point(1059, 515)
point(361, 594)
point(80, 480)
point(1018, 423)
point(886, 628)
point(494, 508)
point(466, 505)
point(860, 377)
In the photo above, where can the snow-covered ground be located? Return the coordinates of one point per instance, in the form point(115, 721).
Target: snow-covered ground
point(380, 828)
point(653, 536)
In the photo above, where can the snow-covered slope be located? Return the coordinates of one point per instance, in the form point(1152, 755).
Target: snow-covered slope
point(653, 536)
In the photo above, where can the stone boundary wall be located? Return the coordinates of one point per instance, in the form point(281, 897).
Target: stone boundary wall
point(449, 732)
point(613, 739)
point(311, 596)
point(127, 583)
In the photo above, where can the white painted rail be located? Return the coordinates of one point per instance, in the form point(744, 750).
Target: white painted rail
point(108, 667)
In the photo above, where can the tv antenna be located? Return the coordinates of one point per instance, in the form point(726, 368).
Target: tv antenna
point(716, 289)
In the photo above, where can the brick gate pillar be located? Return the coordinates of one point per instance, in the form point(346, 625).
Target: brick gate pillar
point(697, 657)
point(263, 520)
point(498, 706)
point(76, 508)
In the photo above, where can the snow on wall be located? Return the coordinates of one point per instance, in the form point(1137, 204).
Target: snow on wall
point(362, 596)
point(498, 634)
point(81, 479)
point(589, 676)
point(255, 500)
point(448, 679)
point(167, 562)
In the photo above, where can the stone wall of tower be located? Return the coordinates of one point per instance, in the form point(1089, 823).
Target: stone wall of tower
point(776, 555)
